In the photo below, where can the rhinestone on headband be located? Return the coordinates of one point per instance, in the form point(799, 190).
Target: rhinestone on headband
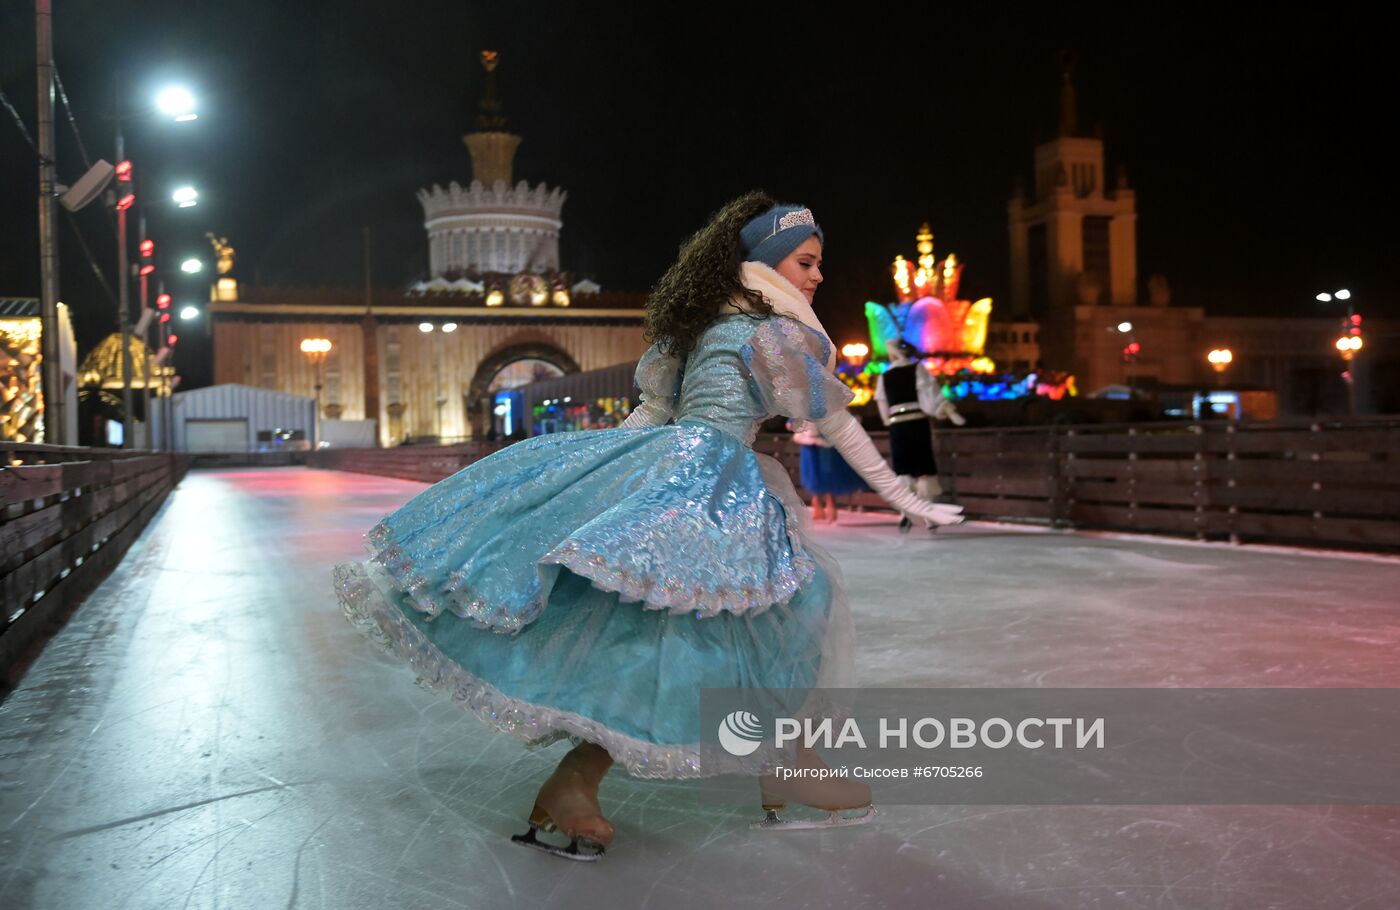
point(791, 220)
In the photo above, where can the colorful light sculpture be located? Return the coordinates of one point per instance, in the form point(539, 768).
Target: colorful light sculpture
point(949, 333)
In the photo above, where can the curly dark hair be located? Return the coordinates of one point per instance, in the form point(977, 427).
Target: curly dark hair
point(705, 277)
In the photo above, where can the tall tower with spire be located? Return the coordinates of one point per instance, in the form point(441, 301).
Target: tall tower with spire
point(1074, 239)
point(490, 225)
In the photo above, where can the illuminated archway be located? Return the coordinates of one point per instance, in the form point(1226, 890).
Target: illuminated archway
point(537, 356)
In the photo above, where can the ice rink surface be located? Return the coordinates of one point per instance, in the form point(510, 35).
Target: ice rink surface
point(207, 731)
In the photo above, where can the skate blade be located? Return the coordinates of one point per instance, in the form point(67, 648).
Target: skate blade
point(772, 822)
point(580, 849)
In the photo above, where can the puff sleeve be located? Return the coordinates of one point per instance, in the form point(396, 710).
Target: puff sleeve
point(786, 362)
point(659, 378)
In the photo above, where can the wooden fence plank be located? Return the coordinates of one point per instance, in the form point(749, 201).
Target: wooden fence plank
point(990, 507)
point(1356, 532)
point(1151, 443)
point(1142, 493)
point(947, 443)
point(27, 483)
point(1176, 470)
point(1122, 518)
point(1296, 498)
point(1368, 440)
point(1304, 470)
point(1037, 487)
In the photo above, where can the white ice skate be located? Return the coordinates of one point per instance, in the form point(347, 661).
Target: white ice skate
point(585, 845)
point(846, 803)
point(834, 819)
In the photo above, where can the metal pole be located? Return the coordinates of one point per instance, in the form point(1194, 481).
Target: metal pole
point(167, 413)
point(123, 320)
point(123, 284)
point(437, 381)
point(148, 403)
point(369, 293)
point(319, 358)
point(1349, 377)
point(168, 404)
point(1351, 362)
point(148, 439)
point(51, 373)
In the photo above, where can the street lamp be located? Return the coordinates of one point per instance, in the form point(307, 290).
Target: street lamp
point(191, 266)
point(1131, 347)
point(185, 197)
point(316, 350)
point(1348, 344)
point(1220, 359)
point(177, 102)
point(189, 312)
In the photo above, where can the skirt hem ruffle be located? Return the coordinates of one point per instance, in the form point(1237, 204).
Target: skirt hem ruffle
point(375, 617)
point(664, 595)
point(456, 597)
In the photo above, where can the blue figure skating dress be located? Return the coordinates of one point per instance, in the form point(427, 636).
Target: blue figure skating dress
point(822, 471)
point(590, 584)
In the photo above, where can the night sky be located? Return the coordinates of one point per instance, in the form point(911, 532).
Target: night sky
point(1252, 135)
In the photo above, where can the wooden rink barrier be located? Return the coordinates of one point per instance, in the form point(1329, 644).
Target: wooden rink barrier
point(67, 516)
point(1329, 484)
point(1319, 484)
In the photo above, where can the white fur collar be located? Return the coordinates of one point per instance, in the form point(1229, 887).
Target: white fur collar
point(785, 298)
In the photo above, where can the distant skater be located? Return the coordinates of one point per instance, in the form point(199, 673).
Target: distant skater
point(909, 399)
point(823, 472)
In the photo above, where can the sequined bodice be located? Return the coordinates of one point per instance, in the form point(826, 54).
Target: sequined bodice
point(717, 388)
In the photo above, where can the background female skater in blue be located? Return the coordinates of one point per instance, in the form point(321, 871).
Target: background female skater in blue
point(588, 585)
point(823, 472)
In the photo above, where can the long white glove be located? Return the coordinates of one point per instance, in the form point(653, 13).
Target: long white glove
point(844, 432)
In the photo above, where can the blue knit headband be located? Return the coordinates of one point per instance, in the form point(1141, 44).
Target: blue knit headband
point(771, 237)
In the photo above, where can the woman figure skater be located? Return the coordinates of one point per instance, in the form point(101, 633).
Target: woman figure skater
point(588, 585)
point(823, 472)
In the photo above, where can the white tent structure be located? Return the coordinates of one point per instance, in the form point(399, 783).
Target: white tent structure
point(233, 418)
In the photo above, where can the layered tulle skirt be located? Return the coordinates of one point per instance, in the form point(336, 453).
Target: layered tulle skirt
point(590, 585)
